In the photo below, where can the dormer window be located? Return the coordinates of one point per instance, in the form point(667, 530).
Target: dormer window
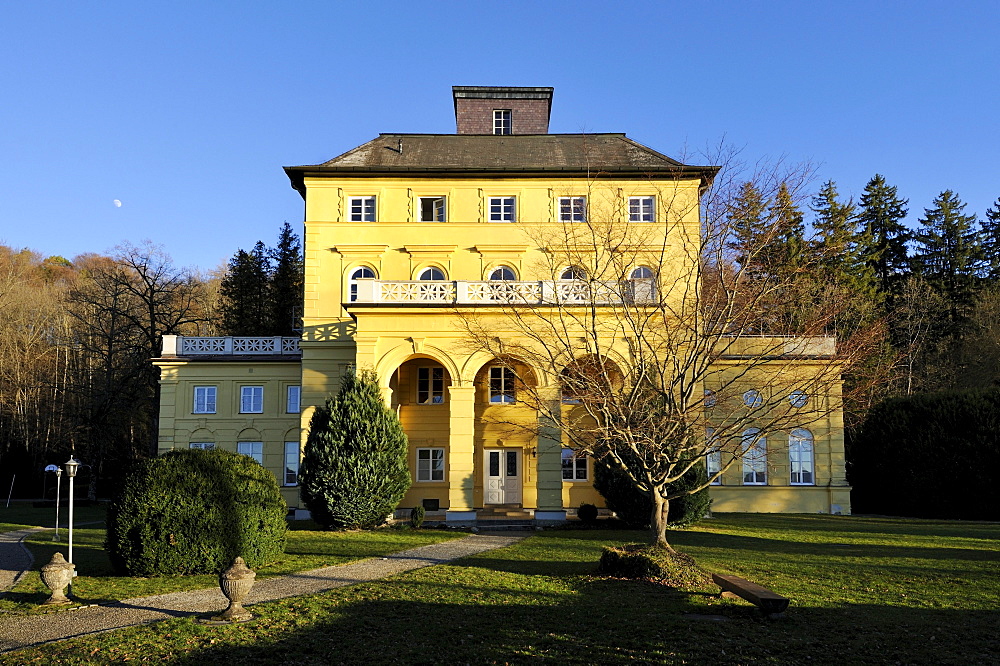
point(501, 121)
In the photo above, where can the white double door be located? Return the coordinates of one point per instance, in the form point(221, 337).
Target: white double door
point(502, 482)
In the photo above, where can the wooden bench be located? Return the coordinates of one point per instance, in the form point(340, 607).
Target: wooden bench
point(768, 602)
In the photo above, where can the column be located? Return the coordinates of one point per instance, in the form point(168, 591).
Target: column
point(461, 453)
point(549, 475)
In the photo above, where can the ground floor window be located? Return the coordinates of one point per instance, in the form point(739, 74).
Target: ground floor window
point(574, 466)
point(204, 446)
point(291, 463)
point(800, 457)
point(253, 449)
point(754, 458)
point(430, 464)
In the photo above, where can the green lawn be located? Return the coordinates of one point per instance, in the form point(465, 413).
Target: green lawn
point(863, 590)
point(20, 515)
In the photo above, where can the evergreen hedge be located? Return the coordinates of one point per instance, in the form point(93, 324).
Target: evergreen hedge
point(929, 456)
point(354, 470)
point(634, 507)
point(192, 511)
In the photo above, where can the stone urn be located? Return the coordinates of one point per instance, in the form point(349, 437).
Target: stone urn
point(56, 575)
point(236, 582)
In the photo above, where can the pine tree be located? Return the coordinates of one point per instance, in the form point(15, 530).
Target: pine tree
point(948, 255)
point(884, 237)
point(287, 283)
point(991, 242)
point(785, 255)
point(838, 243)
point(354, 470)
point(748, 230)
point(246, 293)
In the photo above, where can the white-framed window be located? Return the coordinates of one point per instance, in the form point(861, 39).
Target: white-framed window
point(754, 458)
point(204, 446)
point(574, 466)
point(293, 399)
point(253, 449)
point(501, 121)
point(502, 385)
point(251, 400)
point(503, 273)
point(432, 273)
point(291, 464)
point(432, 209)
point(430, 464)
point(753, 398)
point(572, 209)
point(710, 399)
point(359, 273)
point(798, 398)
point(430, 385)
point(204, 399)
point(361, 209)
point(642, 209)
point(641, 284)
point(713, 459)
point(503, 209)
point(574, 273)
point(800, 457)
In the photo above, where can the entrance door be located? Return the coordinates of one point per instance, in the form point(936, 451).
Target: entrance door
point(503, 476)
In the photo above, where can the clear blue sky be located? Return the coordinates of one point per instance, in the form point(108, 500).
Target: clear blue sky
point(186, 111)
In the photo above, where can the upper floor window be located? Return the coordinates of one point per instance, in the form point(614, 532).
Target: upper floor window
point(432, 273)
point(572, 209)
point(293, 399)
point(641, 287)
point(501, 121)
point(642, 209)
point(251, 399)
point(253, 449)
point(361, 209)
point(430, 385)
point(800, 457)
point(753, 398)
point(574, 466)
point(574, 273)
point(360, 273)
point(503, 273)
point(503, 209)
point(432, 209)
point(291, 463)
point(798, 398)
point(754, 458)
point(204, 399)
point(502, 385)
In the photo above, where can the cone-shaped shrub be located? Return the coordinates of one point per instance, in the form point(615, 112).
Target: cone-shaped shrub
point(354, 470)
point(193, 511)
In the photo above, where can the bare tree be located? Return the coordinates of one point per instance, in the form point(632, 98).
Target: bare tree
point(659, 346)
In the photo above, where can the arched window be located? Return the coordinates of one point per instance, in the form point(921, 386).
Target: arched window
point(432, 273)
point(503, 273)
point(713, 457)
point(573, 273)
point(800, 457)
point(642, 286)
point(360, 273)
point(754, 458)
point(642, 273)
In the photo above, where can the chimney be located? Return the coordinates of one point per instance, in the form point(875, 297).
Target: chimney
point(502, 109)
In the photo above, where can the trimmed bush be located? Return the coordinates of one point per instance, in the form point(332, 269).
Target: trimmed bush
point(633, 507)
point(587, 513)
point(417, 516)
point(192, 511)
point(354, 470)
point(652, 563)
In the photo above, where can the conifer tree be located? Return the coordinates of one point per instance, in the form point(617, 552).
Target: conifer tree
point(837, 242)
point(785, 256)
point(246, 293)
point(287, 283)
point(991, 242)
point(884, 237)
point(747, 219)
point(354, 470)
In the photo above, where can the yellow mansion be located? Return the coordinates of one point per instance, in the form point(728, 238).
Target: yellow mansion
point(410, 240)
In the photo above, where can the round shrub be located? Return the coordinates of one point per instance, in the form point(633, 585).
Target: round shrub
point(193, 511)
point(634, 508)
point(587, 513)
point(417, 516)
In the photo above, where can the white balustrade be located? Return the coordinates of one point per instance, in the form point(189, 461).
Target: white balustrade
point(184, 345)
point(501, 292)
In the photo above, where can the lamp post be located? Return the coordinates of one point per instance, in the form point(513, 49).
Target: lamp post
point(71, 466)
point(57, 470)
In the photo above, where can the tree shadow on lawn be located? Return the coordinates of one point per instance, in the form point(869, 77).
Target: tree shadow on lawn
point(862, 525)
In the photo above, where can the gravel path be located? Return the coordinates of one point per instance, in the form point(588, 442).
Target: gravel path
point(15, 558)
point(19, 631)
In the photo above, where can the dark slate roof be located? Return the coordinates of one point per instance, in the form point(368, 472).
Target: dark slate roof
point(478, 153)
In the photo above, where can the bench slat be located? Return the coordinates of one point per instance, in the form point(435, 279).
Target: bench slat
point(765, 599)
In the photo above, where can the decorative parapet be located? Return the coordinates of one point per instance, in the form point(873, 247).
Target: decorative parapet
point(502, 292)
point(184, 345)
point(776, 346)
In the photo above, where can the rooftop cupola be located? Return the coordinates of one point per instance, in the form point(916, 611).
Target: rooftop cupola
point(502, 109)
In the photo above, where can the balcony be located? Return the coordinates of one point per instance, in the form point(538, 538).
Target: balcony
point(185, 345)
point(502, 292)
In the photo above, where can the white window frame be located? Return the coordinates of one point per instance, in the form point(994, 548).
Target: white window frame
point(801, 458)
point(430, 385)
point(572, 209)
point(204, 446)
point(503, 121)
point(713, 459)
point(359, 273)
point(438, 208)
point(753, 398)
point(430, 464)
point(253, 449)
point(642, 209)
point(293, 399)
point(361, 209)
point(502, 385)
point(574, 466)
point(503, 209)
point(207, 396)
point(290, 471)
point(798, 398)
point(252, 399)
point(754, 458)
point(494, 277)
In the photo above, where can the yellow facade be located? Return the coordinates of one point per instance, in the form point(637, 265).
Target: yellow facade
point(442, 214)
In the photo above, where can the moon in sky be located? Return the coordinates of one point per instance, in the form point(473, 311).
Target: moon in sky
point(117, 203)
